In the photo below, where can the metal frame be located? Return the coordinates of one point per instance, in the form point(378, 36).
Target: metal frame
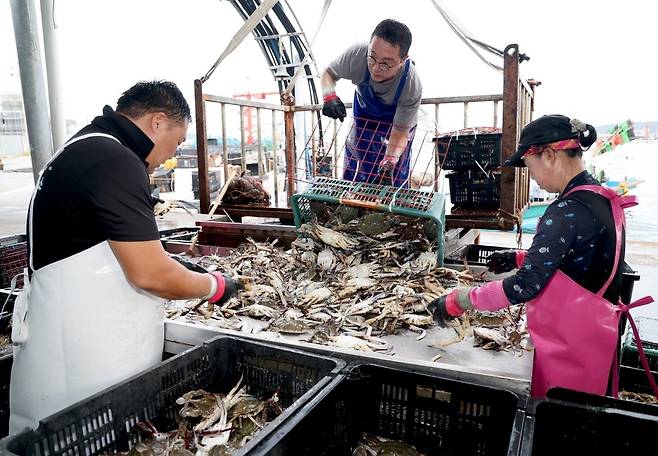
point(518, 105)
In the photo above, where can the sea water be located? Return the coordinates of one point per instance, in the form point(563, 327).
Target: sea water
point(636, 161)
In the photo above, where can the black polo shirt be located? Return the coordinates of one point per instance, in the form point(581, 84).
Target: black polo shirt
point(97, 189)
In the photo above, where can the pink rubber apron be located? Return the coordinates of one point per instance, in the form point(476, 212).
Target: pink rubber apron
point(574, 331)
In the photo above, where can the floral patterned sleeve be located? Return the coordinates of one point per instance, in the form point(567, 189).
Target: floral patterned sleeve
point(565, 223)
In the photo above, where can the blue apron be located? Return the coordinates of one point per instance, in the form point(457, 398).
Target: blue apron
point(372, 127)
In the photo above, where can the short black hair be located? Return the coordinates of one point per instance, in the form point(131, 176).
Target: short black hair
point(395, 33)
point(154, 96)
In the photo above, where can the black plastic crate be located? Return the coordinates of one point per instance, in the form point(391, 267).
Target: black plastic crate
point(628, 279)
point(469, 151)
point(436, 415)
point(476, 254)
point(104, 423)
point(473, 188)
point(635, 380)
point(595, 400)
point(563, 428)
point(648, 330)
point(13, 259)
point(5, 375)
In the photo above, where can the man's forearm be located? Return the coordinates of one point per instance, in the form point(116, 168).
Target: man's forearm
point(397, 142)
point(147, 266)
point(328, 83)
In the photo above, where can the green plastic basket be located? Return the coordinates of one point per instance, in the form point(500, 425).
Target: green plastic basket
point(383, 198)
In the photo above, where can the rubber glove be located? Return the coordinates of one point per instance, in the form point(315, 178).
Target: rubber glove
point(449, 306)
point(333, 107)
point(227, 288)
point(505, 260)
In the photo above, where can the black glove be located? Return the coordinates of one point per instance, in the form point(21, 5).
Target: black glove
point(502, 261)
point(155, 200)
point(231, 288)
point(188, 264)
point(333, 107)
point(438, 310)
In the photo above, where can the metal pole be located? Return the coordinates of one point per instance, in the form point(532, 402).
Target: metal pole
point(224, 143)
point(508, 185)
point(262, 169)
point(32, 83)
point(201, 147)
point(314, 153)
point(335, 167)
point(495, 114)
point(51, 48)
point(289, 123)
point(243, 153)
point(275, 165)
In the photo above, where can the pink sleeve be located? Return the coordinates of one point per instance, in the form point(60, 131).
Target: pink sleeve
point(520, 257)
point(489, 297)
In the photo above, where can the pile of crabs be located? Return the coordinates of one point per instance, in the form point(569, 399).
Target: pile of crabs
point(348, 284)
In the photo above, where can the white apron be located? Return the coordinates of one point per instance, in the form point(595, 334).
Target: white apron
point(78, 328)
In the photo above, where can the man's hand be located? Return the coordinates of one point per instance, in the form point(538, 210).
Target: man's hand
point(502, 261)
point(231, 288)
point(227, 288)
point(387, 164)
point(155, 200)
point(334, 107)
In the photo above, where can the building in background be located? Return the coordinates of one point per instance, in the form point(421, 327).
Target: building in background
point(13, 129)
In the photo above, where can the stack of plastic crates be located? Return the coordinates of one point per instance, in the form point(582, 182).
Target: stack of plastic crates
point(384, 198)
point(105, 423)
point(437, 416)
point(475, 158)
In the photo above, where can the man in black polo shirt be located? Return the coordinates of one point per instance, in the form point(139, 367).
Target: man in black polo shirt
point(92, 313)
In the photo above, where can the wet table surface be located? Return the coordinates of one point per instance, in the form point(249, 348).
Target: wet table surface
point(461, 360)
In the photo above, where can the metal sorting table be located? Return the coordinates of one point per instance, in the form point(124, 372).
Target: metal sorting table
point(460, 360)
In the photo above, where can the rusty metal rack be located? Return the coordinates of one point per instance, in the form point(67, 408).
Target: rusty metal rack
point(517, 100)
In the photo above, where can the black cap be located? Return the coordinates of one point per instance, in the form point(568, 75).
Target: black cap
point(548, 129)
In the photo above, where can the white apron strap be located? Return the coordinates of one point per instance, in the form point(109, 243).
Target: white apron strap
point(37, 187)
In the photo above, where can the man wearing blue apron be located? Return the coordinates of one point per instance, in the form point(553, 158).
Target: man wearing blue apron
point(385, 107)
point(91, 312)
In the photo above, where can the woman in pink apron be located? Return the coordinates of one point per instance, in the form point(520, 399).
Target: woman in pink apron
point(571, 274)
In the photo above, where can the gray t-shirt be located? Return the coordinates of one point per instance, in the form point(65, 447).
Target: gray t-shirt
point(353, 64)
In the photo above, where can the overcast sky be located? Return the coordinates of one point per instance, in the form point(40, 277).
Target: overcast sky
point(594, 58)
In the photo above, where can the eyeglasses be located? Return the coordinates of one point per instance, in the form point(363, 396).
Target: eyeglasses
point(383, 66)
